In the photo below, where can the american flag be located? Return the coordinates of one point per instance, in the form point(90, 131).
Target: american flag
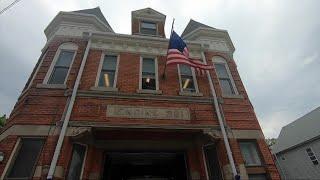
point(178, 53)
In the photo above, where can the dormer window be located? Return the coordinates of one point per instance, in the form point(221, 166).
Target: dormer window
point(149, 28)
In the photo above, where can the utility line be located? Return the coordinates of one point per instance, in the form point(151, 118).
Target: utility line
point(9, 6)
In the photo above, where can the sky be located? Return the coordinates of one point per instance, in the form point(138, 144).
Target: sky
point(277, 46)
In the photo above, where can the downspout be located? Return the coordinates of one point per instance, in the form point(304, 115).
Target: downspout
point(279, 165)
point(223, 130)
point(68, 113)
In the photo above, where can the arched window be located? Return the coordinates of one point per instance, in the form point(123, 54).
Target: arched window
point(61, 64)
point(225, 78)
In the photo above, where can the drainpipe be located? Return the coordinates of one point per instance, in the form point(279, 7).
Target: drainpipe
point(68, 113)
point(223, 130)
point(279, 165)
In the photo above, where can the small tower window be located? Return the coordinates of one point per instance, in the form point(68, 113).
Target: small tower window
point(149, 28)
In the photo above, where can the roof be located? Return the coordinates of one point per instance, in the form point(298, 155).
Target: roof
point(95, 11)
point(193, 25)
point(301, 130)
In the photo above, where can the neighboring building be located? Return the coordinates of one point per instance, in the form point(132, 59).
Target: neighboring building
point(123, 120)
point(297, 150)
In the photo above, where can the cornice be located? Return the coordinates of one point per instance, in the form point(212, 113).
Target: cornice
point(148, 14)
point(211, 34)
point(138, 44)
point(71, 18)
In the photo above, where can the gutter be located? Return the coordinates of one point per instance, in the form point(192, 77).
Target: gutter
point(68, 113)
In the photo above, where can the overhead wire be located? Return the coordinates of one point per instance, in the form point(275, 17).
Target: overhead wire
point(9, 6)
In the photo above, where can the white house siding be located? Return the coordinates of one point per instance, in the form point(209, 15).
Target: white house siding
point(296, 164)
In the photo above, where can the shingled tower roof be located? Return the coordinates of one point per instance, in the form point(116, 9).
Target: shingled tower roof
point(97, 12)
point(192, 25)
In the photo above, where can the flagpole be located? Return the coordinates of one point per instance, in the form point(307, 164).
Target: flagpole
point(221, 124)
point(165, 65)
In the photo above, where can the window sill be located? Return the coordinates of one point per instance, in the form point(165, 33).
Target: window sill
point(235, 96)
point(255, 169)
point(151, 35)
point(147, 91)
point(52, 86)
point(197, 94)
point(107, 89)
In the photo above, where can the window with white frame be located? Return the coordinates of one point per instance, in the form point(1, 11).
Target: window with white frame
point(250, 153)
point(312, 156)
point(188, 82)
point(148, 28)
point(149, 74)
point(61, 64)
point(108, 71)
point(61, 68)
point(76, 164)
point(225, 79)
point(26, 160)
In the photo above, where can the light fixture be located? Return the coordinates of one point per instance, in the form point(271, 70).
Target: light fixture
point(148, 80)
point(106, 80)
point(1, 156)
point(186, 83)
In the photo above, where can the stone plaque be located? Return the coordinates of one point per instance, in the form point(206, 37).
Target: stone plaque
point(143, 112)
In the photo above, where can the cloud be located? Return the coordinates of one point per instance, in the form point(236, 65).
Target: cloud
point(309, 59)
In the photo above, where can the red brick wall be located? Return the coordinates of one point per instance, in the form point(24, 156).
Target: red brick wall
point(135, 26)
point(94, 162)
point(161, 29)
point(268, 160)
point(45, 106)
point(6, 146)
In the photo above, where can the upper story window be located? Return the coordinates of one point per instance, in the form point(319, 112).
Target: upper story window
point(312, 156)
point(26, 159)
point(149, 74)
point(149, 28)
point(188, 82)
point(108, 71)
point(250, 153)
point(60, 66)
point(225, 79)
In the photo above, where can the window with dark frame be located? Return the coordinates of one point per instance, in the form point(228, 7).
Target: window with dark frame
point(61, 68)
point(108, 71)
point(312, 156)
point(212, 162)
point(186, 78)
point(257, 176)
point(224, 79)
point(148, 74)
point(77, 159)
point(148, 28)
point(250, 153)
point(26, 160)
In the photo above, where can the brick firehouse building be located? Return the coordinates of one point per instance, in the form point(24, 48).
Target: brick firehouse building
point(97, 106)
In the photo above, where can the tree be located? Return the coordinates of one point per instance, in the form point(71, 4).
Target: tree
point(3, 120)
point(271, 141)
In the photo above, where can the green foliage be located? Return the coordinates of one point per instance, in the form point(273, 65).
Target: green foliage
point(271, 141)
point(3, 120)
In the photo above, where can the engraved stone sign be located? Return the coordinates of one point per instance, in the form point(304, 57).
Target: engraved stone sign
point(143, 112)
